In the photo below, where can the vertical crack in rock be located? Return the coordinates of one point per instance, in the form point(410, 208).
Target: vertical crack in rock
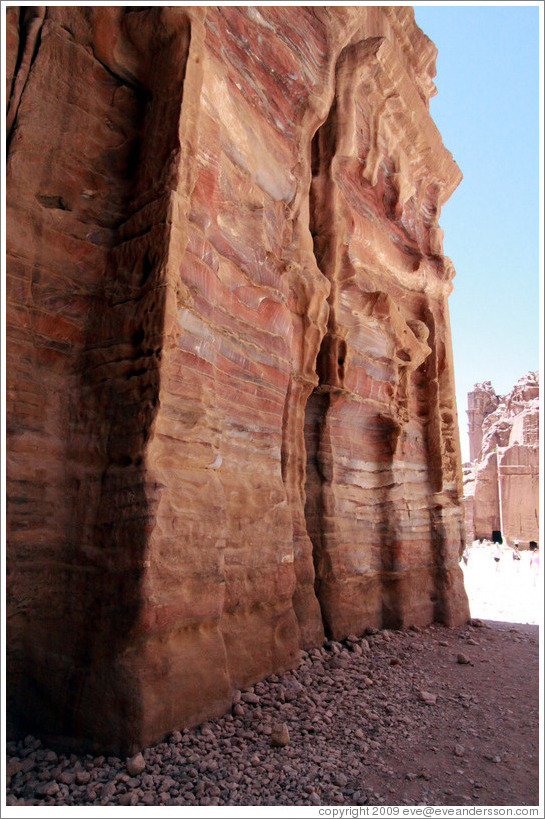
point(330, 365)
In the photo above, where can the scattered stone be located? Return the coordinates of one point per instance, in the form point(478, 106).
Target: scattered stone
point(280, 735)
point(108, 791)
point(47, 789)
point(13, 766)
point(463, 659)
point(250, 697)
point(135, 765)
point(335, 726)
point(128, 799)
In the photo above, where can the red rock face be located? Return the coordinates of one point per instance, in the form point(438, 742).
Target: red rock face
point(232, 426)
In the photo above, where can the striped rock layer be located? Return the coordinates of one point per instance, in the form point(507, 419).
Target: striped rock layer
point(231, 418)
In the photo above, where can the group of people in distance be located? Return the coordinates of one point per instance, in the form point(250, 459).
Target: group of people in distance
point(499, 550)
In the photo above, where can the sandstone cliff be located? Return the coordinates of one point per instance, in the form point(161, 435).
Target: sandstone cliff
point(501, 485)
point(231, 415)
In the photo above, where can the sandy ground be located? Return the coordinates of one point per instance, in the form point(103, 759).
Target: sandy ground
point(509, 592)
point(419, 717)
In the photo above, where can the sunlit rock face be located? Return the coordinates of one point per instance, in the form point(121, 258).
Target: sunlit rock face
point(501, 485)
point(232, 425)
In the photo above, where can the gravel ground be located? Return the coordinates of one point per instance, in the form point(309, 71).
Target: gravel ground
point(431, 716)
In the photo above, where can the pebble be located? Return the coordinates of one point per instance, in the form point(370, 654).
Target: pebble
point(250, 697)
point(463, 659)
point(280, 735)
point(135, 765)
point(47, 789)
point(13, 767)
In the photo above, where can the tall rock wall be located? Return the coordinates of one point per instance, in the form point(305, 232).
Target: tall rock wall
point(501, 486)
point(232, 424)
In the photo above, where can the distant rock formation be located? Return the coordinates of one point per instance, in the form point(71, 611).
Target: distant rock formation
point(481, 402)
point(501, 484)
point(231, 414)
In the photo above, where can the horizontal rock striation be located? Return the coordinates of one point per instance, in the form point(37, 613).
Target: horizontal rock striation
point(231, 419)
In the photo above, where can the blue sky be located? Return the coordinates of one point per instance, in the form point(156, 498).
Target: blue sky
point(487, 110)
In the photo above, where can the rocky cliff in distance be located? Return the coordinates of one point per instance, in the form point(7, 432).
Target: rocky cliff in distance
point(501, 486)
point(231, 415)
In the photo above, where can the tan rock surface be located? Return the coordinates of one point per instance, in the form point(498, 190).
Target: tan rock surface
point(232, 423)
point(501, 486)
point(482, 401)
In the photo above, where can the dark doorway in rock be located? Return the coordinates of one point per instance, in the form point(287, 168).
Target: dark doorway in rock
point(496, 536)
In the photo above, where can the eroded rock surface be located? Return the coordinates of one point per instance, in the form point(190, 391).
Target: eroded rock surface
point(501, 485)
point(232, 424)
